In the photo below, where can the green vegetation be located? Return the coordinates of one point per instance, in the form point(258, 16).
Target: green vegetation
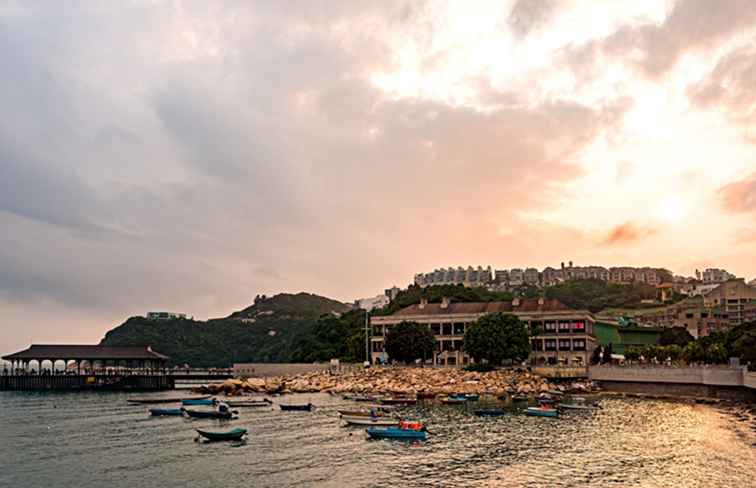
point(277, 329)
point(497, 337)
point(675, 335)
point(716, 348)
point(596, 295)
point(434, 294)
point(408, 341)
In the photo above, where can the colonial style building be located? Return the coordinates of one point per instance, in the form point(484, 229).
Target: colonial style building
point(565, 335)
point(734, 298)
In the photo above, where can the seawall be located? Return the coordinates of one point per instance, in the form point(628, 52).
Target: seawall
point(711, 382)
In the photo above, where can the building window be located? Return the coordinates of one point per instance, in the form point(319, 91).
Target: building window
point(564, 326)
point(459, 329)
point(564, 345)
point(550, 326)
point(578, 326)
point(451, 361)
point(578, 345)
point(436, 329)
point(551, 344)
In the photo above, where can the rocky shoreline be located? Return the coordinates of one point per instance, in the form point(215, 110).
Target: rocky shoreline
point(402, 381)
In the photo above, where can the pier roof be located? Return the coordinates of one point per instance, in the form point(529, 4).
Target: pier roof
point(93, 352)
point(521, 306)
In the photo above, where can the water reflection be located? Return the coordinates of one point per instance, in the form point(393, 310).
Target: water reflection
point(90, 440)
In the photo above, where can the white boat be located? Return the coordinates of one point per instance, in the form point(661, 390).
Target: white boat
point(373, 421)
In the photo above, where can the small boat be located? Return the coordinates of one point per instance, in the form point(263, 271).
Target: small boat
point(396, 433)
point(250, 403)
point(541, 412)
point(230, 435)
point(383, 421)
point(296, 408)
point(209, 414)
point(490, 412)
point(520, 398)
point(398, 401)
point(454, 400)
point(373, 412)
point(194, 402)
point(156, 399)
point(161, 412)
point(359, 398)
point(471, 397)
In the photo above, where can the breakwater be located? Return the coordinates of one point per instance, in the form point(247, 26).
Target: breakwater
point(712, 382)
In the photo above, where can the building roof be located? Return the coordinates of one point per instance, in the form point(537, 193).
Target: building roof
point(51, 351)
point(524, 306)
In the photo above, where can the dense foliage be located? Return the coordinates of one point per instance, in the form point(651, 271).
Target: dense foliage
point(675, 335)
point(276, 330)
point(595, 295)
point(497, 337)
point(407, 341)
point(716, 348)
point(434, 294)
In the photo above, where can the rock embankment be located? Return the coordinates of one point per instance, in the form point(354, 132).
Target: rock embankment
point(438, 381)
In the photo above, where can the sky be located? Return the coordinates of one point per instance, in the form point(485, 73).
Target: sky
point(188, 155)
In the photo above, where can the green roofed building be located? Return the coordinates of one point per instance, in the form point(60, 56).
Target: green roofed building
point(623, 337)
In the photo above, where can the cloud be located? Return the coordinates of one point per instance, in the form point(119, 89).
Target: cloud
point(739, 196)
point(628, 232)
point(528, 15)
point(730, 86)
point(655, 48)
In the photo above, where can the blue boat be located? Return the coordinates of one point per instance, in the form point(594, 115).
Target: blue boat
point(160, 412)
point(199, 401)
point(490, 412)
point(396, 433)
point(541, 412)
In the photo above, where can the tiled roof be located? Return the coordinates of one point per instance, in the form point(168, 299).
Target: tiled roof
point(49, 351)
point(524, 306)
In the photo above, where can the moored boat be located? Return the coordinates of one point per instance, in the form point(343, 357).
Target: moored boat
point(230, 435)
point(453, 400)
point(396, 433)
point(296, 408)
point(162, 412)
point(377, 411)
point(520, 398)
point(160, 399)
point(382, 421)
point(265, 402)
point(489, 412)
point(209, 414)
point(399, 401)
point(195, 402)
point(359, 398)
point(579, 404)
point(541, 412)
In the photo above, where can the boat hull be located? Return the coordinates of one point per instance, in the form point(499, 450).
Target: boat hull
point(397, 434)
point(377, 421)
point(399, 401)
point(198, 402)
point(148, 400)
point(201, 414)
point(165, 412)
point(296, 408)
point(231, 435)
point(541, 412)
point(249, 403)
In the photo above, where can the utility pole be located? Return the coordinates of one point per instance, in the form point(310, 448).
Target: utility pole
point(367, 336)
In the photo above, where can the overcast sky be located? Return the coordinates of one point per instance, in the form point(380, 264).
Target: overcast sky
point(187, 155)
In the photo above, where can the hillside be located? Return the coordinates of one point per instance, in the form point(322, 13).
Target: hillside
point(597, 295)
point(264, 332)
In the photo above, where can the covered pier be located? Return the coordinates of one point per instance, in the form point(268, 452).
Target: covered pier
point(66, 367)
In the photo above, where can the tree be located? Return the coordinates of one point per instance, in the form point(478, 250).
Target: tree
point(675, 335)
point(606, 358)
point(632, 353)
point(497, 337)
point(408, 341)
point(693, 352)
point(674, 352)
point(716, 354)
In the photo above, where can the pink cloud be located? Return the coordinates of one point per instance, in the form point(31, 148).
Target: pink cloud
point(628, 232)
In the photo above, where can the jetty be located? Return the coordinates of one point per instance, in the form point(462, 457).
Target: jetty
point(93, 367)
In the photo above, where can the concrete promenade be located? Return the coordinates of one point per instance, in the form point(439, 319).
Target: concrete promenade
point(711, 381)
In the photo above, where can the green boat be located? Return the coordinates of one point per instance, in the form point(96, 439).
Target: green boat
point(541, 412)
point(230, 435)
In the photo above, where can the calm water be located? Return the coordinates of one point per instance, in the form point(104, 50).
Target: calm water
point(98, 440)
